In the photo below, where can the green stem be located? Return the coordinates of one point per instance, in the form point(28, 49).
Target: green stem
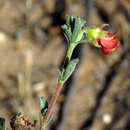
point(70, 51)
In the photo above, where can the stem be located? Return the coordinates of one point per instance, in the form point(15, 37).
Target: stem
point(53, 101)
point(70, 51)
point(57, 93)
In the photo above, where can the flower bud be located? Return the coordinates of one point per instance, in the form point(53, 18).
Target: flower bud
point(93, 34)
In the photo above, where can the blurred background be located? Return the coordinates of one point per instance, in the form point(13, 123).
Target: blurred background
point(32, 48)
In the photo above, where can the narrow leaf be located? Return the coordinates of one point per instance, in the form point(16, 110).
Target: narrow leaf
point(67, 32)
point(69, 70)
point(78, 24)
point(43, 106)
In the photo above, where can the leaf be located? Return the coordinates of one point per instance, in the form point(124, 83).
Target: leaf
point(78, 24)
point(43, 110)
point(43, 106)
point(66, 73)
point(72, 29)
point(67, 32)
point(2, 124)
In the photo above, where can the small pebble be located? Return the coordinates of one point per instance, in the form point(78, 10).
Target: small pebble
point(107, 118)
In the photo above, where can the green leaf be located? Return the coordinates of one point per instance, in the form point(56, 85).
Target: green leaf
point(2, 124)
point(66, 73)
point(62, 73)
point(72, 29)
point(43, 110)
point(43, 106)
point(78, 24)
point(67, 32)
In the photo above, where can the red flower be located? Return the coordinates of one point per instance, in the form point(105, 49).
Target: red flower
point(108, 43)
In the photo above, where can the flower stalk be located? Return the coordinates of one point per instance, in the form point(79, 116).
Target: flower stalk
point(70, 51)
point(53, 101)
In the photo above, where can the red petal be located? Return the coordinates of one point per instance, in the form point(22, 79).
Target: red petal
point(118, 44)
point(109, 43)
point(106, 51)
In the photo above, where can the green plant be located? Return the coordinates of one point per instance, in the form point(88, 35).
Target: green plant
point(75, 33)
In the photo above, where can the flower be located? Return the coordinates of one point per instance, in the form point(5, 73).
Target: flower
point(108, 43)
point(102, 39)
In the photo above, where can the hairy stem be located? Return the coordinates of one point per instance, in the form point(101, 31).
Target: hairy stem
point(53, 101)
point(59, 88)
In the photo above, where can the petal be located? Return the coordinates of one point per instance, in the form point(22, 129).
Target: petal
point(118, 44)
point(109, 43)
point(106, 51)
